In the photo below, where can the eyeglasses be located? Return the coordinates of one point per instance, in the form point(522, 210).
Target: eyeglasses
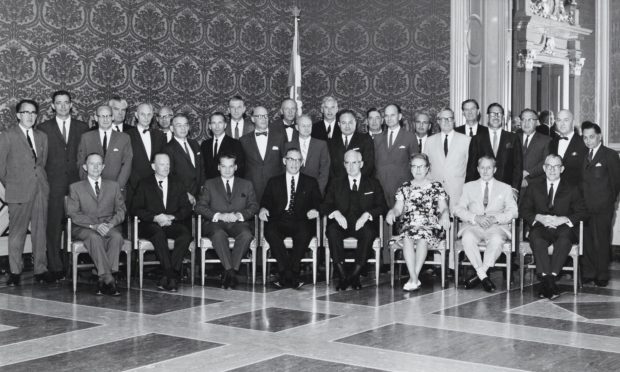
point(165, 116)
point(28, 112)
point(293, 160)
point(104, 117)
point(418, 167)
point(495, 114)
point(260, 116)
point(182, 125)
point(445, 120)
point(352, 162)
point(530, 120)
point(556, 167)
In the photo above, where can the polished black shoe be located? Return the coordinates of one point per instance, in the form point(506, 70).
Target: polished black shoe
point(59, 275)
point(472, 282)
point(297, 284)
point(601, 283)
point(13, 280)
point(162, 284)
point(547, 282)
point(488, 285)
point(232, 282)
point(225, 280)
point(113, 290)
point(587, 280)
point(343, 284)
point(173, 286)
point(101, 288)
point(45, 277)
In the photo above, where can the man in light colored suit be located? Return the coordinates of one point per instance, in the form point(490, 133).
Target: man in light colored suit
point(239, 124)
point(447, 151)
point(96, 208)
point(486, 207)
point(314, 152)
point(114, 146)
point(535, 147)
point(228, 205)
point(23, 154)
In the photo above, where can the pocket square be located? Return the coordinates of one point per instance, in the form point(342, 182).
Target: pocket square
point(115, 149)
point(574, 154)
point(369, 192)
point(275, 148)
point(402, 147)
point(598, 165)
point(355, 149)
point(198, 153)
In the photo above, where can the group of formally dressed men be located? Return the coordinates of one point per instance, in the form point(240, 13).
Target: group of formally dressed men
point(290, 172)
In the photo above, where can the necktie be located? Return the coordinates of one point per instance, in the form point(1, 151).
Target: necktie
point(189, 153)
point(228, 190)
point(117, 128)
point(291, 204)
point(261, 133)
point(564, 138)
point(215, 148)
point(527, 142)
point(161, 191)
point(186, 148)
point(346, 141)
point(495, 143)
point(105, 143)
point(237, 130)
point(445, 145)
point(471, 132)
point(420, 144)
point(64, 131)
point(329, 131)
point(550, 197)
point(485, 199)
point(590, 155)
point(160, 184)
point(97, 189)
point(354, 184)
point(31, 145)
point(391, 140)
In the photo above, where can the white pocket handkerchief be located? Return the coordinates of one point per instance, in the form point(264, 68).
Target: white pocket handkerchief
point(369, 192)
point(115, 149)
point(598, 165)
point(402, 147)
point(275, 148)
point(355, 149)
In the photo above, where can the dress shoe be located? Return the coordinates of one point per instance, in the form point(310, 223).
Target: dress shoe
point(113, 290)
point(162, 285)
point(587, 280)
point(100, 288)
point(13, 280)
point(410, 287)
point(472, 282)
point(355, 283)
point(172, 285)
point(45, 277)
point(343, 284)
point(555, 290)
point(297, 284)
point(225, 280)
point(601, 283)
point(58, 275)
point(232, 281)
point(547, 286)
point(488, 285)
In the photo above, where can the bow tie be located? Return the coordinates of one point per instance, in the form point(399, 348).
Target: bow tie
point(292, 126)
point(261, 134)
point(564, 138)
point(145, 130)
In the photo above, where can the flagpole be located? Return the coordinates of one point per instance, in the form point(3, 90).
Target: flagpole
point(294, 80)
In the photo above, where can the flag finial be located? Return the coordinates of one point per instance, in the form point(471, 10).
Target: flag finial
point(296, 11)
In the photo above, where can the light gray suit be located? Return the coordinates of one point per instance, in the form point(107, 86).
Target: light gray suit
point(27, 193)
point(118, 156)
point(85, 208)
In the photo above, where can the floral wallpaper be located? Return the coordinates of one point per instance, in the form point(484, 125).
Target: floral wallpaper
point(193, 55)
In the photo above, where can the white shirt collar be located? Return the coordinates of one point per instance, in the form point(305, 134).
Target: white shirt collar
point(358, 179)
point(59, 121)
point(230, 180)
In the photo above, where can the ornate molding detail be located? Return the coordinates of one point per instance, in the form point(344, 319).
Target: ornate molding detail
point(548, 45)
point(575, 65)
point(526, 59)
point(554, 9)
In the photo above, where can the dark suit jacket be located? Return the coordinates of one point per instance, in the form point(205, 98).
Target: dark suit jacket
point(141, 163)
point(248, 127)
point(573, 159)
point(61, 166)
point(317, 161)
point(228, 146)
point(337, 198)
point(509, 160)
point(181, 168)
point(19, 171)
point(85, 208)
point(360, 141)
point(213, 199)
point(257, 170)
point(547, 131)
point(534, 155)
point(319, 132)
point(567, 202)
point(392, 165)
point(462, 129)
point(275, 198)
point(148, 200)
point(278, 125)
point(601, 181)
point(118, 157)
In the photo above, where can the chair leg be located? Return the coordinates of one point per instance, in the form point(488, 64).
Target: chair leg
point(74, 263)
point(575, 274)
point(141, 264)
point(193, 262)
point(314, 264)
point(202, 266)
point(128, 257)
point(508, 271)
point(264, 265)
point(254, 265)
point(392, 256)
point(327, 263)
point(521, 269)
point(443, 268)
point(456, 269)
point(377, 265)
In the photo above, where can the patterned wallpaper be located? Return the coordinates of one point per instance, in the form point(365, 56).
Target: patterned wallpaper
point(194, 54)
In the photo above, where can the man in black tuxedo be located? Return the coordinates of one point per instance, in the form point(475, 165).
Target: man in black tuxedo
point(499, 144)
point(263, 149)
point(164, 119)
point(287, 123)
point(570, 147)
point(471, 112)
point(353, 205)
point(552, 207)
point(601, 185)
point(220, 143)
point(238, 125)
point(534, 145)
point(63, 137)
point(162, 206)
point(185, 158)
point(289, 205)
point(145, 143)
point(350, 139)
point(327, 128)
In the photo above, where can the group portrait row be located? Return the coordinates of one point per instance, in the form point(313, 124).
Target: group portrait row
point(300, 180)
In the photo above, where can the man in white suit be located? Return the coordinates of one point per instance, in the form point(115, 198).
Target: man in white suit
point(486, 207)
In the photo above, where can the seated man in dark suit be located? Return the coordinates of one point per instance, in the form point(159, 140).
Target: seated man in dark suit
point(161, 204)
point(228, 204)
point(552, 207)
point(96, 209)
point(353, 204)
point(288, 206)
point(220, 143)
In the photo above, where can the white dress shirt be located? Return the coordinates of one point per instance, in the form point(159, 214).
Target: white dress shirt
point(329, 128)
point(394, 133)
point(304, 145)
point(261, 142)
point(563, 144)
point(92, 183)
point(66, 123)
point(28, 133)
point(146, 140)
point(182, 142)
point(164, 188)
point(109, 136)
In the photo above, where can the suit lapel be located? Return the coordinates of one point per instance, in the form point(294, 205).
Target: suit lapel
point(58, 133)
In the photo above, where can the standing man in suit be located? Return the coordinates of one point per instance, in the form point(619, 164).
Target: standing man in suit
point(164, 119)
point(327, 128)
point(239, 125)
point(486, 208)
point(145, 143)
point(422, 126)
point(220, 143)
point(263, 149)
point(119, 111)
point(185, 158)
point(552, 207)
point(502, 145)
point(228, 205)
point(570, 147)
point(471, 112)
point(353, 205)
point(63, 137)
point(393, 148)
point(601, 185)
point(162, 206)
point(23, 155)
point(289, 205)
point(375, 122)
point(287, 123)
point(314, 153)
point(447, 152)
point(535, 147)
point(95, 206)
point(350, 139)
point(114, 146)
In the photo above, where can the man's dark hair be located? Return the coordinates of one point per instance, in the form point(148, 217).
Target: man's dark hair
point(495, 104)
point(18, 107)
point(590, 125)
point(470, 100)
point(60, 93)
